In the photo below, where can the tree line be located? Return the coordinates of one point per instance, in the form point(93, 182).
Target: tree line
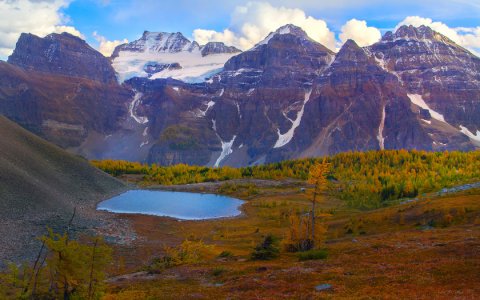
point(363, 179)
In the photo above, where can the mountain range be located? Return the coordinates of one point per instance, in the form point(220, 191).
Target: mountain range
point(165, 99)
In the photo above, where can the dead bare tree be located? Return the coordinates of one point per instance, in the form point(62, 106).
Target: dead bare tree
point(90, 284)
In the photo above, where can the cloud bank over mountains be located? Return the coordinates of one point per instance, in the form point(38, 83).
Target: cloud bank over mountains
point(249, 24)
point(252, 22)
point(35, 16)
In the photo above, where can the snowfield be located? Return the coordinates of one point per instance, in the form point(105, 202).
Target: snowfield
point(194, 67)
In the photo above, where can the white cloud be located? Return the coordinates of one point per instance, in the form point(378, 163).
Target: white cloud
point(358, 31)
point(39, 17)
point(70, 29)
point(105, 46)
point(466, 37)
point(252, 22)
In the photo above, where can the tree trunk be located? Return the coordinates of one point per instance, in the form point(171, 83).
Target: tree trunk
point(90, 285)
point(313, 216)
point(34, 270)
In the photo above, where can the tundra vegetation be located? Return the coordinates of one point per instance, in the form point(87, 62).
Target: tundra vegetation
point(340, 222)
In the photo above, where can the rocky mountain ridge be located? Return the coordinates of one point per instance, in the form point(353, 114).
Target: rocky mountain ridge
point(290, 97)
point(61, 54)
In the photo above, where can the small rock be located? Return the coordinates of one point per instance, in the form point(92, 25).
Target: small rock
point(323, 287)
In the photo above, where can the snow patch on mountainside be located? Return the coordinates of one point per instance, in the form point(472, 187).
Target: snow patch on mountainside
point(199, 113)
point(380, 137)
point(418, 100)
point(133, 107)
point(286, 137)
point(238, 109)
point(203, 113)
point(226, 150)
point(282, 30)
point(145, 136)
point(473, 137)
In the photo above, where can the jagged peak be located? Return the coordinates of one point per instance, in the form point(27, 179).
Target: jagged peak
point(421, 33)
point(291, 29)
point(217, 48)
point(350, 44)
point(159, 42)
point(351, 51)
point(162, 34)
point(285, 29)
point(51, 36)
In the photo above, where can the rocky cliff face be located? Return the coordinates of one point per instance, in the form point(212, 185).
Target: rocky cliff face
point(288, 97)
point(439, 76)
point(61, 54)
point(61, 89)
point(356, 105)
point(291, 97)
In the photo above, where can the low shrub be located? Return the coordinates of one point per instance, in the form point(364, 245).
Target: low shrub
point(189, 252)
point(267, 249)
point(225, 254)
point(313, 254)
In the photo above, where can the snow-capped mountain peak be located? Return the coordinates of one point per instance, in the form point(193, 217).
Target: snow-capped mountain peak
point(168, 42)
point(170, 55)
point(286, 29)
point(159, 42)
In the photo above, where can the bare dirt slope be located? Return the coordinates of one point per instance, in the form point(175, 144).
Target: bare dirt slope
point(40, 184)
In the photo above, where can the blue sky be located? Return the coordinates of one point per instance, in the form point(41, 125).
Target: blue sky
point(119, 19)
point(116, 20)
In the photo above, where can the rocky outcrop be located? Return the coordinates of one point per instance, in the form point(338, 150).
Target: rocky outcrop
point(218, 48)
point(61, 54)
point(152, 67)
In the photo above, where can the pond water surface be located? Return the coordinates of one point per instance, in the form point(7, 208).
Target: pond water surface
point(178, 205)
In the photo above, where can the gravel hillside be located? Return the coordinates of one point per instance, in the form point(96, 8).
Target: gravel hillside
point(40, 184)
